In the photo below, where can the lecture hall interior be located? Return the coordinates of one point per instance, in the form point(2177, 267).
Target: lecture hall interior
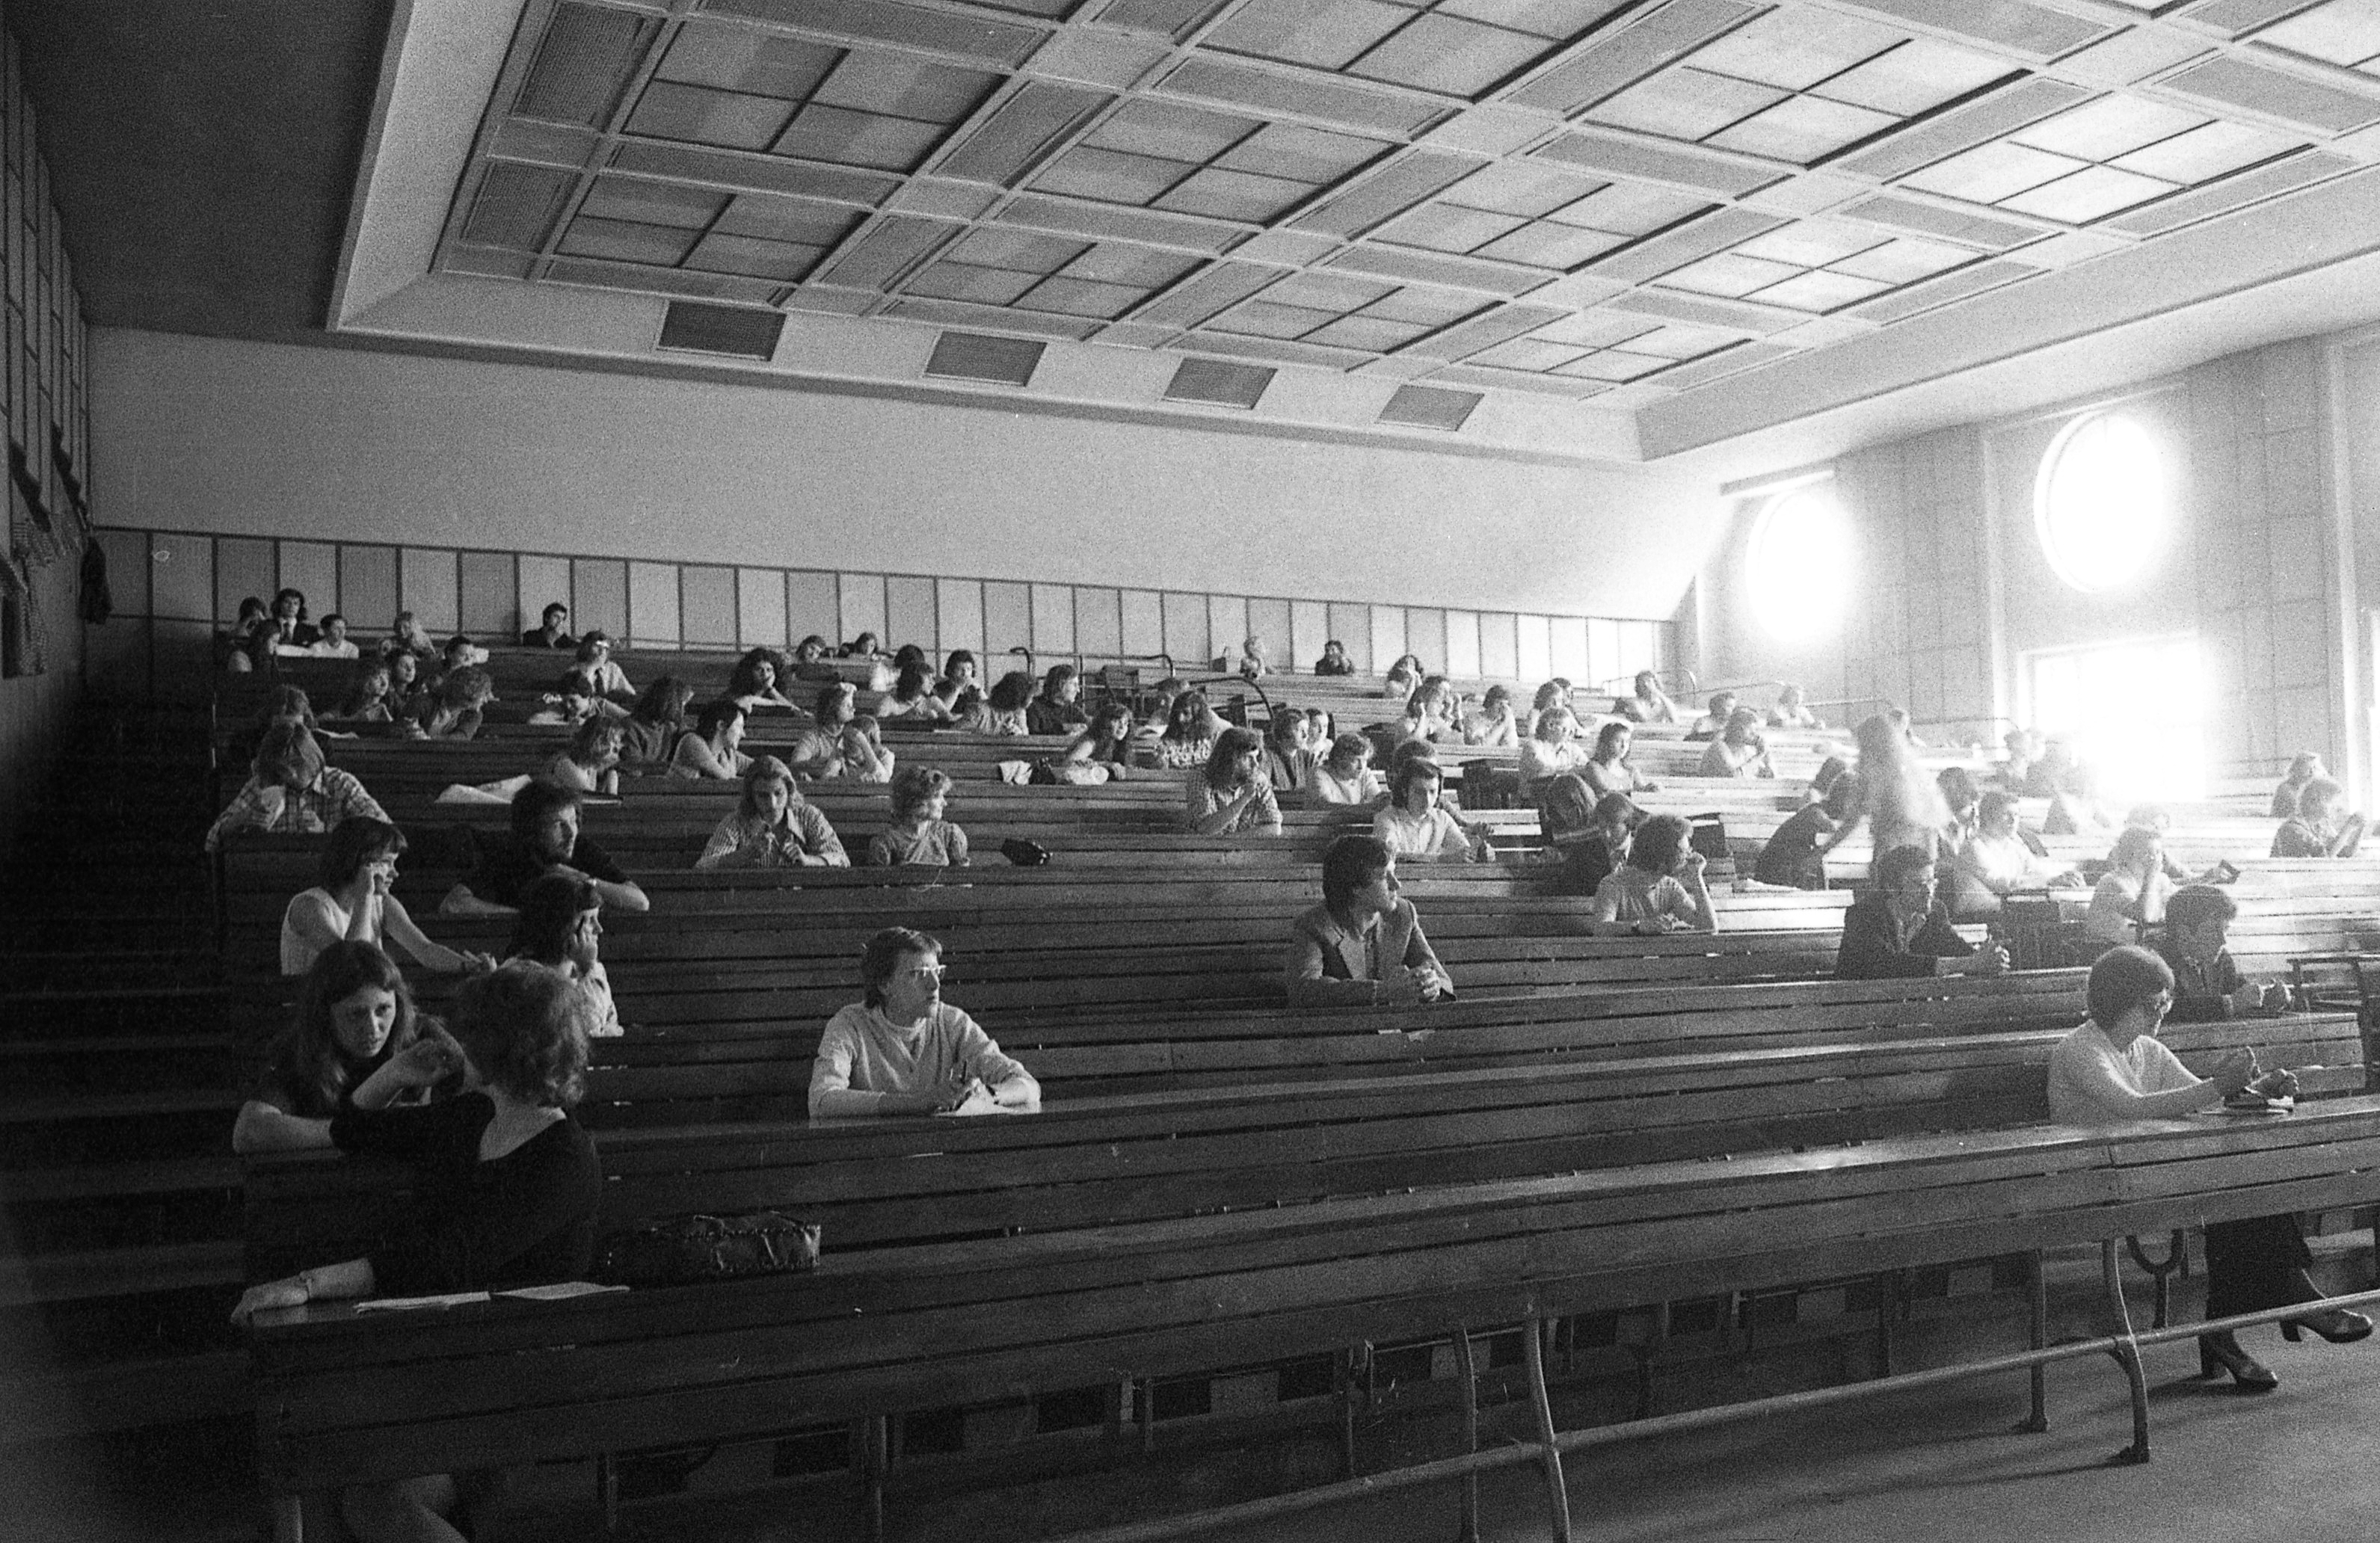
point(2005, 377)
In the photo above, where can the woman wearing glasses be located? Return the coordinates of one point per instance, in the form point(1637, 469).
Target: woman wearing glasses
point(905, 1050)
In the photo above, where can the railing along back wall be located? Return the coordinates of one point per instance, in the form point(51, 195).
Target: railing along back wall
point(173, 590)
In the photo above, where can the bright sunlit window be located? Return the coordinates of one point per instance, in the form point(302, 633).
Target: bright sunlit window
point(1800, 564)
point(2100, 502)
point(2135, 711)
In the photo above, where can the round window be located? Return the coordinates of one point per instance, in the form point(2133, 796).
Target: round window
point(2099, 504)
point(1800, 564)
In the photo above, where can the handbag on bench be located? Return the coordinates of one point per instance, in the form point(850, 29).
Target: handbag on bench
point(689, 1250)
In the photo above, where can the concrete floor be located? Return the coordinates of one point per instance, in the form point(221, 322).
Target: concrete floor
point(2293, 1464)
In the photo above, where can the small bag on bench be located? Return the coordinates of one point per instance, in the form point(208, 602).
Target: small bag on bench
point(687, 1250)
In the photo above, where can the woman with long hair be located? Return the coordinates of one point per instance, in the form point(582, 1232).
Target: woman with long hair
point(1232, 796)
point(353, 1012)
point(773, 826)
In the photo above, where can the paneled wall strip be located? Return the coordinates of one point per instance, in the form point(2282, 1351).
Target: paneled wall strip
point(432, 580)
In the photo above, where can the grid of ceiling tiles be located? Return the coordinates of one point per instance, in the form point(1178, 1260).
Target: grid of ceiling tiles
point(1572, 197)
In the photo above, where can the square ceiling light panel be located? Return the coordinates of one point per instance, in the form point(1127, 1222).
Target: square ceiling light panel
point(1798, 85)
point(1454, 48)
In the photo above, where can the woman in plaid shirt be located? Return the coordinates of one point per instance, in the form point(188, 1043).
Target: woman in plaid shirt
point(291, 791)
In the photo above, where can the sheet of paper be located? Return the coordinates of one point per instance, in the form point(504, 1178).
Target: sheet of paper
point(560, 1292)
point(407, 1303)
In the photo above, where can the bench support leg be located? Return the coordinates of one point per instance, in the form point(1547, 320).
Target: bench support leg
point(1147, 1416)
point(2161, 1271)
point(288, 1519)
point(876, 1458)
point(1466, 1369)
point(2127, 1351)
point(607, 1490)
point(2036, 1282)
point(1888, 1308)
point(1556, 1490)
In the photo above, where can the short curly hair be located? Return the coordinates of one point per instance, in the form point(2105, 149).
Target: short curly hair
point(525, 1027)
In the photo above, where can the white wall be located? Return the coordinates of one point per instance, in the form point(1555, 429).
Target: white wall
point(255, 439)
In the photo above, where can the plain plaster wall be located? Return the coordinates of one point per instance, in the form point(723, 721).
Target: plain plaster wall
point(241, 438)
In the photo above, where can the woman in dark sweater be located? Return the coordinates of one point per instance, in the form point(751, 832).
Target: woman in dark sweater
point(505, 1185)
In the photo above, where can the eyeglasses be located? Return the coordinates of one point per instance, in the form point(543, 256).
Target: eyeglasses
point(921, 972)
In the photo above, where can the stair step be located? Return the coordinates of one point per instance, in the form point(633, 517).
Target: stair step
point(119, 1271)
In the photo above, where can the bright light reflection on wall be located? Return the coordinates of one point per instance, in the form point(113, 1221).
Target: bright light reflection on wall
point(1799, 564)
point(2099, 505)
point(2136, 711)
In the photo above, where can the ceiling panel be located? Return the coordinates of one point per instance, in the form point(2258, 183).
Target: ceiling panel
point(1556, 195)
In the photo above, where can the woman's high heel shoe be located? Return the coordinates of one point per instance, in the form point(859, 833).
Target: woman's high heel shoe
point(2221, 1352)
point(2339, 1326)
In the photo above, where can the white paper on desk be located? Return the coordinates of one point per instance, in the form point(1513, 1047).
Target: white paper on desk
point(981, 1103)
point(560, 1292)
point(407, 1303)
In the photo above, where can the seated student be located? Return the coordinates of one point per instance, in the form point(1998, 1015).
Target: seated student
point(553, 629)
point(1711, 724)
point(332, 641)
point(1552, 749)
point(1588, 835)
point(2048, 771)
point(592, 764)
point(544, 839)
point(1190, 731)
point(1554, 694)
point(1608, 769)
point(2114, 1068)
point(1002, 712)
point(773, 826)
point(1647, 703)
point(1796, 856)
point(809, 659)
point(1823, 780)
point(2015, 773)
point(561, 926)
point(1432, 714)
point(1997, 860)
point(909, 654)
point(1334, 660)
point(2316, 831)
point(353, 1012)
point(453, 709)
point(920, 836)
point(1363, 946)
point(912, 700)
point(1104, 741)
point(1660, 888)
point(368, 700)
point(1494, 724)
point(238, 647)
point(1415, 825)
point(1230, 795)
point(292, 791)
point(1791, 711)
point(460, 654)
point(713, 751)
point(864, 646)
point(902, 1050)
point(1252, 663)
point(1963, 799)
point(2206, 980)
point(1896, 929)
point(506, 1187)
point(835, 746)
point(1738, 751)
point(1402, 678)
point(752, 685)
point(959, 672)
point(407, 635)
point(2133, 893)
point(1289, 755)
point(2154, 817)
point(287, 628)
point(407, 684)
point(1059, 708)
point(2074, 807)
point(1345, 775)
point(351, 901)
point(594, 656)
point(2303, 770)
point(648, 735)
